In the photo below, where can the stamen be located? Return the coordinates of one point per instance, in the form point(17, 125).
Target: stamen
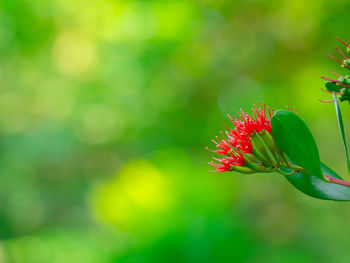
point(339, 61)
point(334, 73)
point(334, 58)
point(254, 114)
point(256, 110)
point(242, 114)
point(226, 126)
point(332, 92)
point(341, 53)
point(213, 164)
point(217, 144)
point(207, 148)
point(341, 84)
point(341, 41)
point(326, 101)
point(331, 80)
point(220, 141)
point(222, 134)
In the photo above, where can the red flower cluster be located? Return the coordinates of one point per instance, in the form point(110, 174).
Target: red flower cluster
point(238, 141)
point(246, 124)
point(236, 159)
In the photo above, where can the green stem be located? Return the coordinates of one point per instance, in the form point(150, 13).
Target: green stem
point(329, 178)
point(242, 169)
point(265, 161)
point(270, 145)
point(253, 158)
point(297, 168)
point(260, 150)
point(282, 156)
point(256, 167)
point(341, 129)
point(279, 170)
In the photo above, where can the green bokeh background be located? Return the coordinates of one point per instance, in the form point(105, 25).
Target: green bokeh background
point(105, 111)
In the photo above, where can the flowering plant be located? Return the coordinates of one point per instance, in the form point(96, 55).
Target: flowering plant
point(280, 141)
point(249, 146)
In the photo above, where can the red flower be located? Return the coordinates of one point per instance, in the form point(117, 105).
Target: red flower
point(263, 122)
point(227, 163)
point(238, 141)
point(225, 148)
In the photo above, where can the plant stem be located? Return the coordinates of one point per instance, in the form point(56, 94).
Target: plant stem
point(279, 170)
point(269, 145)
point(261, 150)
point(337, 181)
point(329, 178)
point(265, 161)
point(341, 129)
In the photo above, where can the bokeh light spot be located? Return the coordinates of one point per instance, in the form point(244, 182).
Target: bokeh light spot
point(139, 192)
point(73, 53)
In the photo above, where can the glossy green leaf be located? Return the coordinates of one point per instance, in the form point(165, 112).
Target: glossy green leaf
point(315, 187)
point(292, 135)
point(341, 129)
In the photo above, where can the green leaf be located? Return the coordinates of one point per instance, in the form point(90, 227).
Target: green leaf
point(315, 187)
point(341, 129)
point(292, 135)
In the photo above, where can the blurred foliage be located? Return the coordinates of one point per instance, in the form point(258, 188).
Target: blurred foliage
point(105, 111)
